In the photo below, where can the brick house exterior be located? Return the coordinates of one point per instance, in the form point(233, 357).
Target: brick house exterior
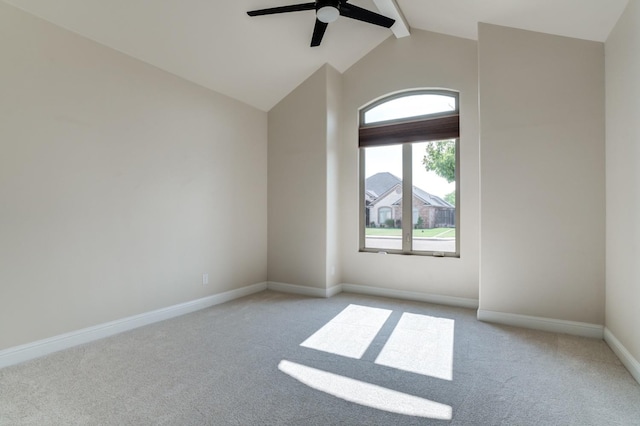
point(383, 198)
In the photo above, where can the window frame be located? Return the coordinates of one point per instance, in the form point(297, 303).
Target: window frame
point(405, 94)
point(405, 132)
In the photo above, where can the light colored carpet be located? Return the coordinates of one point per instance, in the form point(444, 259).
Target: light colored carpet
point(242, 363)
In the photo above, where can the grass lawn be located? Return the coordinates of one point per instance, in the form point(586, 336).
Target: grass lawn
point(389, 232)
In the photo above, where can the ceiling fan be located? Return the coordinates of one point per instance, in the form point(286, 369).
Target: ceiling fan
point(328, 11)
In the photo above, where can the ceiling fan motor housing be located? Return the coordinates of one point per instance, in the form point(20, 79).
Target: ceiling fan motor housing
point(327, 11)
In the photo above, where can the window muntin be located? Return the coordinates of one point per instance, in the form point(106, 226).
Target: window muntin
point(429, 223)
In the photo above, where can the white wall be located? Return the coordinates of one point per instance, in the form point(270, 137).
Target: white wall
point(297, 215)
point(623, 180)
point(542, 175)
point(424, 60)
point(120, 185)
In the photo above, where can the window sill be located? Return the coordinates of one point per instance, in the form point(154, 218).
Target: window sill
point(411, 253)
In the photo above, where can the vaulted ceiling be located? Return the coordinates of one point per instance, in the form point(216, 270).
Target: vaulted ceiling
point(260, 60)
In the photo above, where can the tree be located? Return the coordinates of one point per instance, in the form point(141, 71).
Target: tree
point(441, 159)
point(451, 198)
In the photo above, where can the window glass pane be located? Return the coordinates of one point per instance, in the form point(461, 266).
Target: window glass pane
point(383, 197)
point(410, 106)
point(434, 196)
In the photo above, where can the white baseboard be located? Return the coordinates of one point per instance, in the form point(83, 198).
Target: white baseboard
point(372, 291)
point(411, 295)
point(332, 291)
point(304, 290)
point(625, 356)
point(545, 324)
point(22, 353)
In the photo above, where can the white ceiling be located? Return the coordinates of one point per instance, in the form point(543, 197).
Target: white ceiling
point(260, 60)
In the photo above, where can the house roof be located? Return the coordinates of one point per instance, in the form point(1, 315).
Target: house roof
point(260, 60)
point(381, 183)
point(431, 199)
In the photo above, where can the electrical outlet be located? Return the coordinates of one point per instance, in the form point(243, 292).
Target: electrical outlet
point(205, 279)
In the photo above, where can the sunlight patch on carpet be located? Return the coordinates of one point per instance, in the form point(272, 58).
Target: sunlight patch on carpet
point(364, 393)
point(420, 344)
point(350, 332)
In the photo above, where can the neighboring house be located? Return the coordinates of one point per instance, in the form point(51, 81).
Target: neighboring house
point(383, 200)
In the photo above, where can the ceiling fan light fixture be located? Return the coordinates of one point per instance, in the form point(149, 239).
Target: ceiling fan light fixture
point(327, 14)
point(327, 11)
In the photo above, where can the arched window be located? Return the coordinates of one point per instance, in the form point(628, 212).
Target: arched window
point(384, 214)
point(409, 156)
point(414, 105)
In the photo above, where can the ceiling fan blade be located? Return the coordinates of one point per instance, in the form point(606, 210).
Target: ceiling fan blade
point(360, 14)
point(283, 9)
point(318, 33)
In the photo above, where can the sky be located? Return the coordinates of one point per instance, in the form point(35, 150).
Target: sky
point(410, 106)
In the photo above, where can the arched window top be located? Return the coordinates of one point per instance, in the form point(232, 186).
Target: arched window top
point(412, 105)
point(417, 115)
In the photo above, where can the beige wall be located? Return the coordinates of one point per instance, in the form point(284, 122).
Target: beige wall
point(334, 102)
point(297, 214)
point(424, 60)
point(542, 178)
point(120, 185)
point(623, 179)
